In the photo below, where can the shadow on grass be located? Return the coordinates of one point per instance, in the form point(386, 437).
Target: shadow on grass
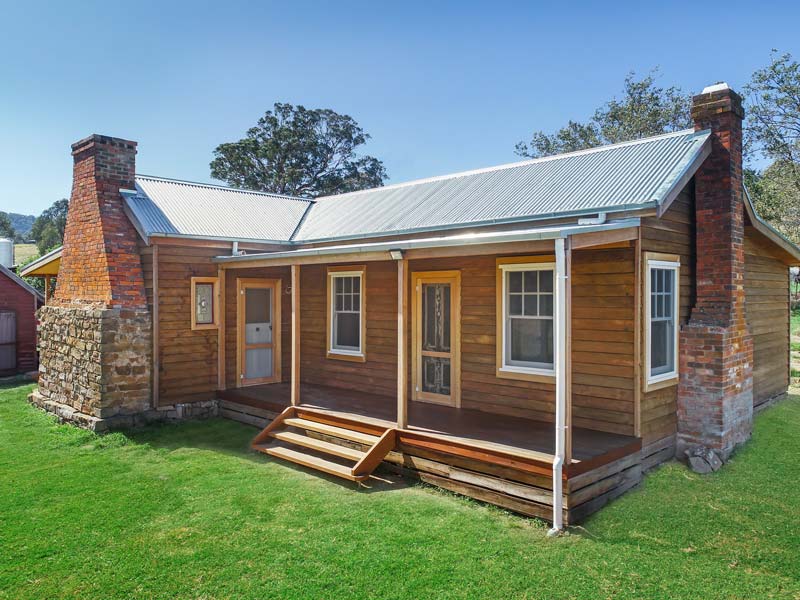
point(230, 438)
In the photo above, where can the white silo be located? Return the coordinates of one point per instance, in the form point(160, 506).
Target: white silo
point(6, 252)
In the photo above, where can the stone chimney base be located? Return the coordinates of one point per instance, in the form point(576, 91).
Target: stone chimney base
point(95, 363)
point(95, 369)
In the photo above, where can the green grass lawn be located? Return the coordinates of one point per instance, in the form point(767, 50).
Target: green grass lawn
point(187, 512)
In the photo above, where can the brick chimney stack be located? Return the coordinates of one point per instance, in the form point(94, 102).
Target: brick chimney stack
point(100, 263)
point(715, 394)
point(95, 349)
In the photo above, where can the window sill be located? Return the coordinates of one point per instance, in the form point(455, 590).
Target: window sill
point(661, 382)
point(521, 374)
point(349, 356)
point(204, 326)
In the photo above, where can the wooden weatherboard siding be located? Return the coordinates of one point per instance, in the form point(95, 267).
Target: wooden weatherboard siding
point(674, 234)
point(602, 311)
point(603, 314)
point(602, 351)
point(187, 359)
point(378, 374)
point(766, 286)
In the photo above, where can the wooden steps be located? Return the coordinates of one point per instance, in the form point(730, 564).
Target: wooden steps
point(319, 445)
point(347, 434)
point(303, 437)
point(312, 462)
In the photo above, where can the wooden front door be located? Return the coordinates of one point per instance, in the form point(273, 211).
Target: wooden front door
point(258, 320)
point(436, 337)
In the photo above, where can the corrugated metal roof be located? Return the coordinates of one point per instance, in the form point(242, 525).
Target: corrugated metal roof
point(606, 178)
point(623, 176)
point(169, 207)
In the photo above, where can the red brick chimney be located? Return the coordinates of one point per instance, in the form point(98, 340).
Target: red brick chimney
point(715, 394)
point(100, 263)
point(95, 338)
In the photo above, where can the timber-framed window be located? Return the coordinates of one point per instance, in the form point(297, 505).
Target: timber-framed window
point(205, 303)
point(346, 308)
point(526, 327)
point(662, 310)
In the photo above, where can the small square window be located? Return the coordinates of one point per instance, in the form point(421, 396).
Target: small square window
point(204, 302)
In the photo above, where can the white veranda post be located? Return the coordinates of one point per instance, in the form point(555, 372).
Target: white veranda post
point(560, 347)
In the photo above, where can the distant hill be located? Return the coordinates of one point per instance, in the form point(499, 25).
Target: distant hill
point(22, 223)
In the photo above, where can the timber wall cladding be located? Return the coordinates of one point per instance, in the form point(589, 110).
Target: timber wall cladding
point(673, 233)
point(766, 286)
point(378, 374)
point(188, 359)
point(603, 323)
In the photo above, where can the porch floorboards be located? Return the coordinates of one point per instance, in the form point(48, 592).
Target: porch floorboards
point(516, 432)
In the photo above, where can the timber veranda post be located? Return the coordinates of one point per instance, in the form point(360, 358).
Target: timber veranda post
point(402, 351)
point(295, 375)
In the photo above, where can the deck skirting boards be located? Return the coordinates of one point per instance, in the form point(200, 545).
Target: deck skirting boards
point(523, 492)
point(250, 415)
point(655, 453)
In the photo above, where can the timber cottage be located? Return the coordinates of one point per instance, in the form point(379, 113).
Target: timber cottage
point(533, 335)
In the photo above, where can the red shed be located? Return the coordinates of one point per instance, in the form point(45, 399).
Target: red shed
point(19, 302)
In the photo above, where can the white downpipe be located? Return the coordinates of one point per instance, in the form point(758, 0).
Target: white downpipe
point(599, 220)
point(561, 384)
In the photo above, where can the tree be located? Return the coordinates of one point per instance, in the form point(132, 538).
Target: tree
point(299, 152)
point(35, 282)
point(6, 229)
point(48, 228)
point(644, 110)
point(773, 134)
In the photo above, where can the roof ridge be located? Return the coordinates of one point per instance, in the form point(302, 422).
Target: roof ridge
point(221, 187)
point(516, 164)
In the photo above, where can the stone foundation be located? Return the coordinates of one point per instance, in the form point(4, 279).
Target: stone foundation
point(95, 363)
point(176, 412)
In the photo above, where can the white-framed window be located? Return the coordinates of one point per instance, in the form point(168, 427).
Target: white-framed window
point(527, 328)
point(346, 303)
point(662, 309)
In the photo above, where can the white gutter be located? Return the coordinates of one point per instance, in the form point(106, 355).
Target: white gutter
point(542, 233)
point(561, 385)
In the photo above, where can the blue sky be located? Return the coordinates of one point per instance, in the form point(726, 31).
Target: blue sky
point(441, 87)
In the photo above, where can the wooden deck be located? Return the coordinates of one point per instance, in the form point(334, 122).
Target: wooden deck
point(502, 460)
point(589, 446)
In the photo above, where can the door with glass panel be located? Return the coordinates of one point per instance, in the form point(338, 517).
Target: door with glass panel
point(436, 337)
point(259, 331)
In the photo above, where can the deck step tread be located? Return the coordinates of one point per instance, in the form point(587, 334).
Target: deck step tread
point(318, 445)
point(340, 432)
point(312, 462)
